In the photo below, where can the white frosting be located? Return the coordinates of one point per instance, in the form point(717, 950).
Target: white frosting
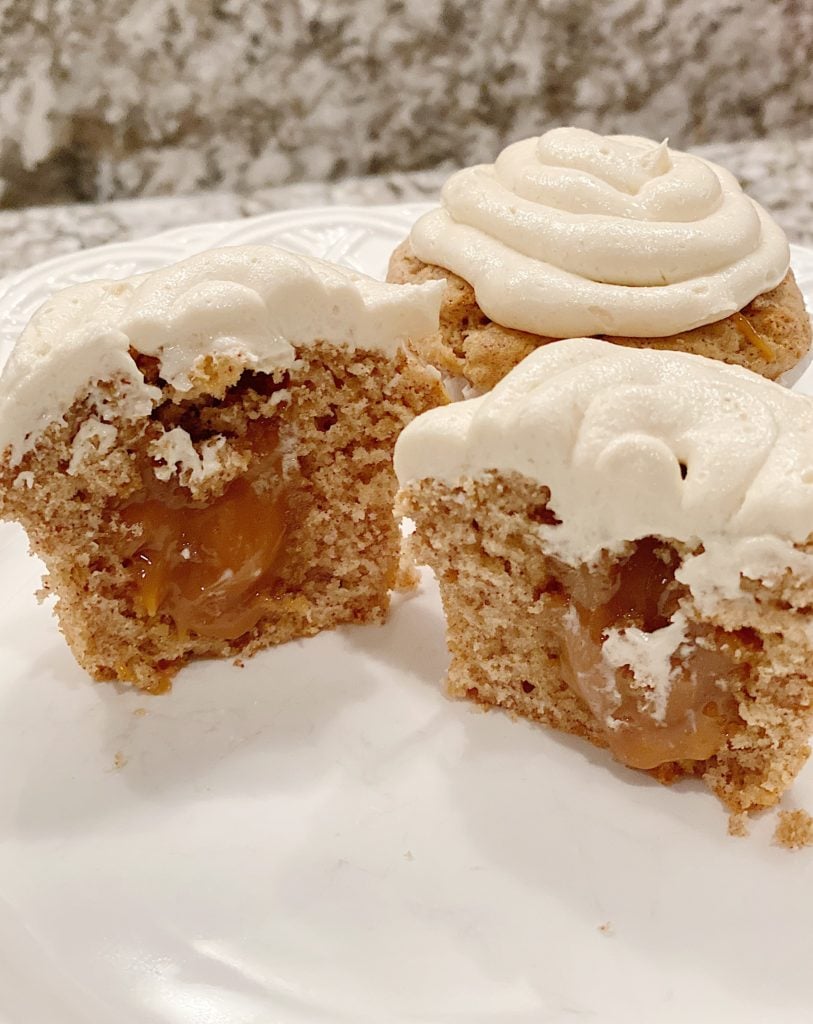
point(175, 450)
point(255, 304)
point(607, 429)
point(649, 657)
point(92, 438)
point(576, 234)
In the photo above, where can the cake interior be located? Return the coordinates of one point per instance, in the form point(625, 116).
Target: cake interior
point(638, 591)
point(211, 567)
point(275, 524)
point(557, 644)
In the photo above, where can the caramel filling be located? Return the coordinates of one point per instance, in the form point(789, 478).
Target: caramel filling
point(699, 712)
point(746, 329)
point(209, 566)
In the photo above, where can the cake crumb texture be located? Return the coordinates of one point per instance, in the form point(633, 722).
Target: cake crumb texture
point(738, 825)
point(794, 830)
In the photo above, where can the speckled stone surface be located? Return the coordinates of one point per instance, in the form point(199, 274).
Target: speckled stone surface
point(152, 97)
point(779, 174)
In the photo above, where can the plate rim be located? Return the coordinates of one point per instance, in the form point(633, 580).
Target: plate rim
point(312, 212)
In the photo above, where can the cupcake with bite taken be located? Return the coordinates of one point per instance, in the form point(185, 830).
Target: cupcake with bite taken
point(574, 234)
point(623, 541)
point(202, 455)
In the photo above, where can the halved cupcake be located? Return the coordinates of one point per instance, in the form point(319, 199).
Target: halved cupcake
point(202, 455)
point(624, 545)
point(576, 234)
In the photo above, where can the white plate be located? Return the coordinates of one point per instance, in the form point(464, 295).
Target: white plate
point(323, 837)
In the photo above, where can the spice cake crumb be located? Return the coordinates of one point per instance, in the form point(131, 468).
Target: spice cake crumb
point(794, 830)
point(738, 825)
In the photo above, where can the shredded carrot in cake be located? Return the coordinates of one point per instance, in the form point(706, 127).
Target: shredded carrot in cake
point(746, 329)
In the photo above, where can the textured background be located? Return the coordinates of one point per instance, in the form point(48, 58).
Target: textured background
point(112, 98)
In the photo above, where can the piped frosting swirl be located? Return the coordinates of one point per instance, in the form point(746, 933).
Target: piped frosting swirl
point(574, 233)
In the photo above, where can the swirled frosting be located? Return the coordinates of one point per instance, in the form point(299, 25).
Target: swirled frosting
point(576, 234)
point(254, 304)
point(635, 443)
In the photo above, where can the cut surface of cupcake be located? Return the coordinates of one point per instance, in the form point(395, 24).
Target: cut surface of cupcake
point(202, 455)
point(624, 545)
point(575, 234)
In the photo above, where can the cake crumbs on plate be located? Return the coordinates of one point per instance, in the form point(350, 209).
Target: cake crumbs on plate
point(738, 824)
point(606, 928)
point(794, 830)
point(407, 577)
point(119, 760)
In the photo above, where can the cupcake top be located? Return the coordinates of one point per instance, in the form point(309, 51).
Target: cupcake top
point(635, 443)
point(574, 233)
point(253, 304)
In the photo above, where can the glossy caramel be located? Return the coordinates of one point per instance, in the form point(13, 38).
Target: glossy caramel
point(208, 567)
point(700, 712)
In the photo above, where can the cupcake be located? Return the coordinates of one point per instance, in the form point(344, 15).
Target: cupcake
point(576, 234)
point(624, 545)
point(202, 456)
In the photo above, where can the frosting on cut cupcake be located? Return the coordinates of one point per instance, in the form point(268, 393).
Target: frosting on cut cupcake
point(253, 304)
point(574, 233)
point(635, 443)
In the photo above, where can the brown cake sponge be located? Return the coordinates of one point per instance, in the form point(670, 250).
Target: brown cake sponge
point(769, 335)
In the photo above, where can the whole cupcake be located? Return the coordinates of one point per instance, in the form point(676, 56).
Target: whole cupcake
point(575, 234)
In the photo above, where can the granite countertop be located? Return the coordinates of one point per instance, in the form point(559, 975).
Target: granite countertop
point(135, 98)
point(778, 173)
